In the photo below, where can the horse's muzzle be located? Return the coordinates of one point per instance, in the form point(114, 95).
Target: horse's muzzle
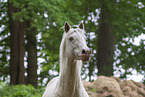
point(86, 54)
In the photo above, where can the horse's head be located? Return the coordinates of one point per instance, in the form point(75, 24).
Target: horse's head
point(76, 46)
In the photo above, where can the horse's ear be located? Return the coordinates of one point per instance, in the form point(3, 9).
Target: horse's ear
point(66, 27)
point(81, 26)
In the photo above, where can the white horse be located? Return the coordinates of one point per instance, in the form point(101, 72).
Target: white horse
point(73, 50)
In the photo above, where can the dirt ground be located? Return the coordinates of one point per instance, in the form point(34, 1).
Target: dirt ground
point(114, 87)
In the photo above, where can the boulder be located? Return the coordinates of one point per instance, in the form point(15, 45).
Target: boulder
point(114, 87)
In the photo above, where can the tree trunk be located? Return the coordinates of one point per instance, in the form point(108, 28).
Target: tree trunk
point(17, 29)
point(105, 45)
point(32, 54)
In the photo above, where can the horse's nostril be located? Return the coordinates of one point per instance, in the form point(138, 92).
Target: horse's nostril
point(83, 51)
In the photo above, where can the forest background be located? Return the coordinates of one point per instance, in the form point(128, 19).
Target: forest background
point(30, 37)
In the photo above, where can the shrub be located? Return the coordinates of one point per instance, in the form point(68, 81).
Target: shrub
point(19, 91)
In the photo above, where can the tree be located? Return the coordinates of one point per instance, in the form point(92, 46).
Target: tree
point(17, 30)
point(106, 40)
point(32, 54)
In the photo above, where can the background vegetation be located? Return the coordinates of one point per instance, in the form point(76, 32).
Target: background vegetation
point(30, 36)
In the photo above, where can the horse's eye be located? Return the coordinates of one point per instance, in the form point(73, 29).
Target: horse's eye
point(71, 39)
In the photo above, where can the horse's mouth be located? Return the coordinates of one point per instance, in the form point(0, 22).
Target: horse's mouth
point(85, 58)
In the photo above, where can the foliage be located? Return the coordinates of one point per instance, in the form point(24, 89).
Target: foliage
point(4, 42)
point(48, 17)
point(132, 18)
point(19, 91)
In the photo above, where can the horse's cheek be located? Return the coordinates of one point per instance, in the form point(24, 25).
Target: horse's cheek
point(69, 51)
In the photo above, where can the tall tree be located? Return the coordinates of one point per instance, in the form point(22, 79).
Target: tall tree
point(23, 13)
point(32, 53)
point(17, 30)
point(105, 45)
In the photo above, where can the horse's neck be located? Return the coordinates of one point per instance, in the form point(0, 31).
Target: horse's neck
point(70, 69)
point(69, 75)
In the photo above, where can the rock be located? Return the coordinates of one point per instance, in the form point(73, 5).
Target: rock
point(114, 87)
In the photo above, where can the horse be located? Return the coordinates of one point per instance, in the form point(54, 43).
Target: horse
point(73, 50)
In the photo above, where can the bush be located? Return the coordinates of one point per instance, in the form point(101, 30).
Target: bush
point(19, 91)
